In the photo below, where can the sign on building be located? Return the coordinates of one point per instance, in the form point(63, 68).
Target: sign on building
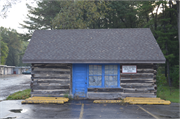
point(129, 69)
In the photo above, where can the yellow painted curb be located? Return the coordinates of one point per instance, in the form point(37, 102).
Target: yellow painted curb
point(143, 100)
point(151, 103)
point(127, 101)
point(58, 100)
point(41, 101)
point(107, 101)
point(133, 98)
point(140, 98)
point(49, 98)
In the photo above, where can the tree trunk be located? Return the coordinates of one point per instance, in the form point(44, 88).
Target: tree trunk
point(99, 23)
point(106, 23)
point(167, 62)
point(147, 18)
point(168, 73)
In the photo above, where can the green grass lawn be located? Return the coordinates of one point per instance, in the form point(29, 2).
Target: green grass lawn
point(20, 95)
point(164, 93)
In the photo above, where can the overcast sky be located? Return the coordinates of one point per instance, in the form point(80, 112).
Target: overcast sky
point(15, 15)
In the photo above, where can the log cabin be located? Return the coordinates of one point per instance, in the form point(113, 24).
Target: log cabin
point(94, 63)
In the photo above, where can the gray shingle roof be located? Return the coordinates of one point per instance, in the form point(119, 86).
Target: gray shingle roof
point(133, 45)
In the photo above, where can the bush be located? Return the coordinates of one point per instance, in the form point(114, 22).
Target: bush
point(161, 81)
point(175, 76)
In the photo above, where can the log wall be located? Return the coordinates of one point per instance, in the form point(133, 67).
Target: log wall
point(51, 79)
point(55, 80)
point(140, 84)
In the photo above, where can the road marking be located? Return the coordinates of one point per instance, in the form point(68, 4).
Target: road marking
point(148, 112)
point(81, 113)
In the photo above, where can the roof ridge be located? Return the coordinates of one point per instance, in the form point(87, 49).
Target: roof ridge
point(90, 29)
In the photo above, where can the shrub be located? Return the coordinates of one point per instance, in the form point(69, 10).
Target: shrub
point(66, 95)
point(175, 75)
point(160, 79)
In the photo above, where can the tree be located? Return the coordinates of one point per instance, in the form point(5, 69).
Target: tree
point(144, 9)
point(164, 28)
point(121, 14)
point(4, 51)
point(96, 14)
point(14, 43)
point(40, 17)
point(74, 15)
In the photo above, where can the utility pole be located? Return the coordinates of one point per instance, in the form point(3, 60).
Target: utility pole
point(178, 10)
point(178, 2)
point(179, 27)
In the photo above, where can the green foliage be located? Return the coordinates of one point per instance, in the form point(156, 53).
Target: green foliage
point(80, 14)
point(40, 17)
point(169, 94)
point(164, 27)
point(121, 14)
point(74, 15)
point(175, 75)
point(165, 92)
point(20, 95)
point(4, 52)
point(160, 79)
point(12, 47)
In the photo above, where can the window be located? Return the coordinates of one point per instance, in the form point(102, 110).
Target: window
point(104, 76)
point(95, 75)
point(111, 75)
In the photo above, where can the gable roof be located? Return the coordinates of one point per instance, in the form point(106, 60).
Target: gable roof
point(129, 45)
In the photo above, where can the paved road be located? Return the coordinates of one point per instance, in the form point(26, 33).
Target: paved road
point(86, 109)
point(13, 83)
